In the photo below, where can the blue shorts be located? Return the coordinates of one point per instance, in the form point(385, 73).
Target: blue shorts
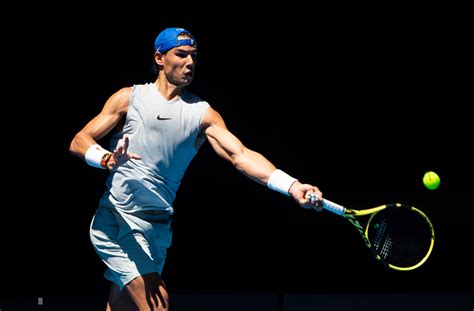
point(130, 244)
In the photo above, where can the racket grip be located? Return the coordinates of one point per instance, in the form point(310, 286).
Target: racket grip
point(328, 205)
point(333, 207)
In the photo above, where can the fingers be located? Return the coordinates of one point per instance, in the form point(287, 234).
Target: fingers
point(132, 155)
point(125, 144)
point(314, 195)
point(119, 150)
point(121, 153)
point(314, 198)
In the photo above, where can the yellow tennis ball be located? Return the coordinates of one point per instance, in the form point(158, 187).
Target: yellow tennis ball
point(431, 180)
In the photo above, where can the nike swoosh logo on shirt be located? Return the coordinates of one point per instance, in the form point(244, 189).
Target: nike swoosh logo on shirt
point(162, 118)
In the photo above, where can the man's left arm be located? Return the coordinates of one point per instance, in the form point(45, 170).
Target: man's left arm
point(253, 164)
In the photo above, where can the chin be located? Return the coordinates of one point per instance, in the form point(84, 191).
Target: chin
point(186, 82)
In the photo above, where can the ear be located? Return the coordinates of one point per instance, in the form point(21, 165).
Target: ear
point(159, 58)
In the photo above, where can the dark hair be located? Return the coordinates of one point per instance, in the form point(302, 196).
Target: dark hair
point(154, 67)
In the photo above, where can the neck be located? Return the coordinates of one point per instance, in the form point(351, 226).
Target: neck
point(168, 90)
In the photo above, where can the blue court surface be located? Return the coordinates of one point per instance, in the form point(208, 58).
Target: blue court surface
point(263, 302)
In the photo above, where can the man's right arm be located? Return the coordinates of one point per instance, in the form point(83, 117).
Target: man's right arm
point(114, 109)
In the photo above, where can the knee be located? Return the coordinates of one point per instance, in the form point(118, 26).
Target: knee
point(163, 308)
point(148, 292)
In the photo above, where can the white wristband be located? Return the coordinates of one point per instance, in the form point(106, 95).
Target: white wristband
point(94, 155)
point(280, 181)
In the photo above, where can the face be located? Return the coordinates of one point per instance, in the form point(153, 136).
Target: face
point(179, 64)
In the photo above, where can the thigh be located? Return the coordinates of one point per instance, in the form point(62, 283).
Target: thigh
point(123, 248)
point(160, 241)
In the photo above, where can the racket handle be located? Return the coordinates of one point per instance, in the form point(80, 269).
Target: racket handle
point(333, 207)
point(328, 205)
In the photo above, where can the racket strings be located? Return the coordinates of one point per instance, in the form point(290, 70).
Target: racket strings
point(400, 237)
point(382, 241)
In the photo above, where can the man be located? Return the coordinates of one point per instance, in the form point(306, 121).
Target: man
point(157, 129)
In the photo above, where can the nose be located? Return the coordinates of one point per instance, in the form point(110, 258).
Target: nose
point(190, 61)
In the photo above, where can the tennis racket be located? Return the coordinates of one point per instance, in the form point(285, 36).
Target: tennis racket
point(400, 236)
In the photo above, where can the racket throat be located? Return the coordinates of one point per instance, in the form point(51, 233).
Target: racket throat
point(359, 228)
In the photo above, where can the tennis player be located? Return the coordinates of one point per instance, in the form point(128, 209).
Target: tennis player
point(157, 128)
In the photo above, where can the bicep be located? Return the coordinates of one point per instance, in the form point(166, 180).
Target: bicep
point(224, 143)
point(113, 111)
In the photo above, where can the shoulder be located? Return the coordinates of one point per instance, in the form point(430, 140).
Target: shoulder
point(119, 101)
point(124, 92)
point(191, 98)
point(212, 117)
point(140, 88)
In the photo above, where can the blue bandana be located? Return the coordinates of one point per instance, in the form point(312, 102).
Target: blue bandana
point(168, 39)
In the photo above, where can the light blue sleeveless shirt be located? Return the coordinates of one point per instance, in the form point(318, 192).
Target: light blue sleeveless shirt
point(164, 134)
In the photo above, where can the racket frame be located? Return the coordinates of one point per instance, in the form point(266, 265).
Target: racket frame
point(351, 214)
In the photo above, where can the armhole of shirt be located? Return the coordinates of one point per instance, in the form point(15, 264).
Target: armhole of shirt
point(132, 95)
point(203, 112)
point(116, 136)
point(200, 134)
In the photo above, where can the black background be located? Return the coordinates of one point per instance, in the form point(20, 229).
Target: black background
point(358, 101)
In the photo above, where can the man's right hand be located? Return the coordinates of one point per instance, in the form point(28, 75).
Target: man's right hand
point(121, 155)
